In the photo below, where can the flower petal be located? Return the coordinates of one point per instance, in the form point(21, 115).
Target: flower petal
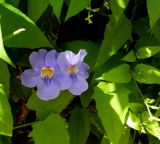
point(64, 81)
point(78, 86)
point(50, 59)
point(37, 59)
point(79, 57)
point(63, 62)
point(47, 92)
point(82, 71)
point(31, 78)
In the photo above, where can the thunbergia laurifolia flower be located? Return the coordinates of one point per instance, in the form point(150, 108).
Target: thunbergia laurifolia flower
point(75, 71)
point(45, 74)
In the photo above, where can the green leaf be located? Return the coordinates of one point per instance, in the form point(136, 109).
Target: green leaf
point(89, 46)
point(112, 105)
point(137, 107)
point(2, 1)
point(76, 6)
point(130, 57)
point(6, 121)
point(119, 74)
point(125, 136)
point(146, 74)
point(116, 34)
point(14, 3)
point(57, 7)
point(133, 121)
point(5, 139)
point(140, 26)
point(4, 76)
point(147, 51)
point(151, 125)
point(36, 8)
point(3, 54)
point(11, 20)
point(44, 108)
point(79, 126)
point(153, 11)
point(50, 131)
point(118, 7)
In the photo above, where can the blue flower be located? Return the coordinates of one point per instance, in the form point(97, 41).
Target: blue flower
point(74, 71)
point(45, 74)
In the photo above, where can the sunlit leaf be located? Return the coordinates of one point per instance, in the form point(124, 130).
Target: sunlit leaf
point(133, 121)
point(79, 126)
point(3, 54)
point(44, 108)
point(112, 105)
point(11, 20)
point(57, 7)
point(118, 6)
point(52, 130)
point(153, 11)
point(6, 121)
point(147, 51)
point(36, 8)
point(116, 34)
point(152, 126)
point(146, 74)
point(2, 1)
point(130, 57)
point(119, 74)
point(4, 76)
point(76, 6)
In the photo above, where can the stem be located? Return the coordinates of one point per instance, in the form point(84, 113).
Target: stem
point(24, 125)
point(134, 136)
point(139, 89)
point(150, 114)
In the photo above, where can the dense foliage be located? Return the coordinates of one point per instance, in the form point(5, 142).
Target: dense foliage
point(117, 103)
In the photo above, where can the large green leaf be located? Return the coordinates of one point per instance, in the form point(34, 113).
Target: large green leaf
point(52, 130)
point(4, 76)
point(119, 74)
point(118, 6)
point(153, 11)
point(36, 8)
point(44, 108)
point(6, 121)
point(79, 126)
point(2, 1)
point(125, 136)
point(146, 74)
point(112, 105)
point(57, 7)
point(3, 54)
point(147, 51)
point(116, 34)
point(76, 6)
point(11, 20)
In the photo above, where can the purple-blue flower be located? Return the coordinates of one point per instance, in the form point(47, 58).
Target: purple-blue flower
point(45, 74)
point(74, 71)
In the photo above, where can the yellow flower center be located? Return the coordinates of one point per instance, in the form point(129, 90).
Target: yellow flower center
point(72, 69)
point(47, 72)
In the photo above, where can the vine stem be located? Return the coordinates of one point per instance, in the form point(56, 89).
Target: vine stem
point(24, 125)
point(139, 89)
point(150, 114)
